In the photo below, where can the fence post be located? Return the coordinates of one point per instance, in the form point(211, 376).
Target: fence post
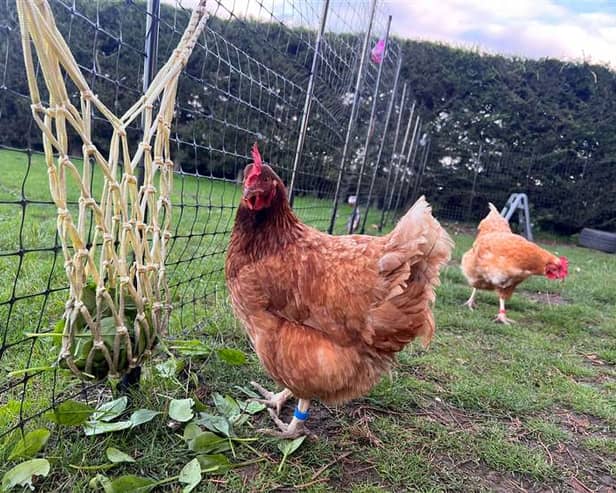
point(351, 124)
point(410, 162)
point(152, 23)
point(421, 171)
point(393, 154)
point(375, 97)
point(398, 168)
point(308, 102)
point(382, 145)
point(409, 165)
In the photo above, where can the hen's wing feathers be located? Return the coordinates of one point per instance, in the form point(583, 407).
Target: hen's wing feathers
point(378, 290)
point(329, 288)
point(508, 252)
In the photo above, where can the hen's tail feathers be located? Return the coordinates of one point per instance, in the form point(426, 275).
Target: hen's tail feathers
point(416, 250)
point(493, 208)
point(494, 222)
point(418, 233)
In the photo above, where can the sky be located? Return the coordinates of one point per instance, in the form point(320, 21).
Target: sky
point(572, 30)
point(569, 30)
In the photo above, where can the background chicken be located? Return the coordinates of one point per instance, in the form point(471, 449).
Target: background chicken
point(327, 314)
point(500, 260)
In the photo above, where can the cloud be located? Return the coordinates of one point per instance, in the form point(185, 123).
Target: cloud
point(528, 28)
point(565, 29)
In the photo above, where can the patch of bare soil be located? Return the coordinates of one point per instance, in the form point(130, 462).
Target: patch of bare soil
point(545, 298)
point(581, 424)
point(356, 471)
point(248, 474)
point(594, 360)
point(583, 470)
point(92, 394)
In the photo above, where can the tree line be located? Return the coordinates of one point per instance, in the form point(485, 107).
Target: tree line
point(495, 124)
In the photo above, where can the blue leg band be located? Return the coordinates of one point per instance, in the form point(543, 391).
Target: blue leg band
point(300, 415)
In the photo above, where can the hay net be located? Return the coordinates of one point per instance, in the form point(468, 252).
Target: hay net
point(119, 303)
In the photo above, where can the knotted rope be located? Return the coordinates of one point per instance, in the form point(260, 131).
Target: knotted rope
point(119, 302)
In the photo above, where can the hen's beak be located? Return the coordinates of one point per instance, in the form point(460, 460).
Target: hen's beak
point(250, 192)
point(250, 196)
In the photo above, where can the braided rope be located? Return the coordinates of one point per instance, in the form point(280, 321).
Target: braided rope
point(120, 279)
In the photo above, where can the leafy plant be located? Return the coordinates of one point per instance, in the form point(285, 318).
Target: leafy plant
point(181, 409)
point(23, 474)
point(70, 413)
point(32, 443)
point(101, 421)
point(110, 410)
point(141, 416)
point(231, 356)
point(132, 483)
point(83, 341)
point(288, 447)
point(193, 348)
point(116, 456)
point(190, 475)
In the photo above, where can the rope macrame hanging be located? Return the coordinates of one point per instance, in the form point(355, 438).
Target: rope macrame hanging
point(119, 303)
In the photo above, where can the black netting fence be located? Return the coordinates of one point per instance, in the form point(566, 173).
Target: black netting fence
point(298, 77)
point(567, 190)
point(304, 79)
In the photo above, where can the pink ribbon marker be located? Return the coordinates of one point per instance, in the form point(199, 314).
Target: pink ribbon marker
point(376, 55)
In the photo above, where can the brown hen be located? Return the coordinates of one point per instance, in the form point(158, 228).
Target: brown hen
point(499, 260)
point(327, 314)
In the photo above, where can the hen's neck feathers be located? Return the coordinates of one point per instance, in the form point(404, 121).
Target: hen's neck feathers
point(264, 232)
point(545, 258)
point(533, 257)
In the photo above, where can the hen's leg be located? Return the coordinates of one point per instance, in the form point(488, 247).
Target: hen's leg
point(272, 400)
point(296, 428)
point(471, 301)
point(501, 317)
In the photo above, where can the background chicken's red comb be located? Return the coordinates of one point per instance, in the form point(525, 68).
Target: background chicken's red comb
point(256, 158)
point(564, 264)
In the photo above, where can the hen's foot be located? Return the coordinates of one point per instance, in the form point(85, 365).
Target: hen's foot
point(274, 401)
point(502, 318)
point(295, 429)
point(470, 303)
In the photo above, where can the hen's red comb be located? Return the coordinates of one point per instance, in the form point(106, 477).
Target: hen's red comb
point(256, 159)
point(564, 265)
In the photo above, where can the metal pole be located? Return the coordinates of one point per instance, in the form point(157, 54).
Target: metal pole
point(413, 173)
point(393, 154)
point(351, 124)
point(375, 97)
point(407, 171)
point(410, 165)
point(414, 143)
point(308, 102)
point(399, 167)
point(152, 24)
point(381, 147)
point(412, 155)
point(421, 171)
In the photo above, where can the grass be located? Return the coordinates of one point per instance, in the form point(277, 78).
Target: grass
point(530, 406)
